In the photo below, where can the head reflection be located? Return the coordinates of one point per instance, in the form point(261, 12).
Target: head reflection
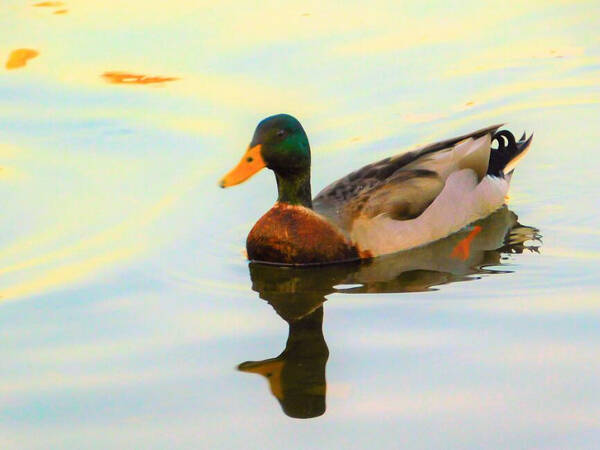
point(297, 376)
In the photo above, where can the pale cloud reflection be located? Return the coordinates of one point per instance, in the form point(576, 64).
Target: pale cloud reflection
point(544, 302)
point(411, 339)
point(176, 330)
point(505, 402)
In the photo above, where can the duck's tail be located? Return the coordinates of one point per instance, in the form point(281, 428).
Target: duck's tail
point(504, 159)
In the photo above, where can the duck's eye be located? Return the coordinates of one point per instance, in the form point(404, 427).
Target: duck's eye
point(249, 159)
point(280, 133)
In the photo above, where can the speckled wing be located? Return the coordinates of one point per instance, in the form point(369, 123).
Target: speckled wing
point(402, 186)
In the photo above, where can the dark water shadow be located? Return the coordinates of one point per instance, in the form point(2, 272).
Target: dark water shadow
point(297, 376)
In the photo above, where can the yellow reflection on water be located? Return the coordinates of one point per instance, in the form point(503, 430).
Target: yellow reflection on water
point(71, 262)
point(48, 4)
point(53, 5)
point(508, 56)
point(18, 58)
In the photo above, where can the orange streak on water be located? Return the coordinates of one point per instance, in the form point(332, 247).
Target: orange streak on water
point(61, 11)
point(463, 248)
point(18, 58)
point(130, 78)
point(48, 4)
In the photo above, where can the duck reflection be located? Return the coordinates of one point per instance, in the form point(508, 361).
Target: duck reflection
point(297, 376)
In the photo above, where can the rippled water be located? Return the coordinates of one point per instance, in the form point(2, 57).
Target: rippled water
point(129, 316)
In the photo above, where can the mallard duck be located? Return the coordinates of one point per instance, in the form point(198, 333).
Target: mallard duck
point(395, 204)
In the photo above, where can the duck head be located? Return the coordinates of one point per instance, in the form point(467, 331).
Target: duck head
point(280, 144)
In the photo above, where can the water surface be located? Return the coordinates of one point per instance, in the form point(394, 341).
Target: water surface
point(129, 316)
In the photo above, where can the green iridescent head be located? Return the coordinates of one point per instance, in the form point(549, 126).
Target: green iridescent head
point(280, 144)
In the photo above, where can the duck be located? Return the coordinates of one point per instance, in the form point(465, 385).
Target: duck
point(398, 203)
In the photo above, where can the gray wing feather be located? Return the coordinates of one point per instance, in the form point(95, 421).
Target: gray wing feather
point(377, 187)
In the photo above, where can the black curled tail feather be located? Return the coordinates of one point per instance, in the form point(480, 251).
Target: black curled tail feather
point(508, 149)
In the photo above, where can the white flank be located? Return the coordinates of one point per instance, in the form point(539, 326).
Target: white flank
point(462, 201)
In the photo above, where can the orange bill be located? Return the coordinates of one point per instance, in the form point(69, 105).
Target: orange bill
point(271, 369)
point(250, 163)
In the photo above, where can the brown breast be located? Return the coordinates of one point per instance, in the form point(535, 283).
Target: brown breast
point(289, 234)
